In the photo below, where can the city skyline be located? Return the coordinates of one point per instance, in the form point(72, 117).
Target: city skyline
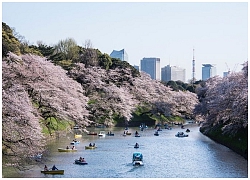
point(218, 31)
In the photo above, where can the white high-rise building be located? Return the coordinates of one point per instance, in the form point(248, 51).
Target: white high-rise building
point(152, 67)
point(173, 73)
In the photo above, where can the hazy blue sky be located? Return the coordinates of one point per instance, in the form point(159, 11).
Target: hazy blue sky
point(217, 31)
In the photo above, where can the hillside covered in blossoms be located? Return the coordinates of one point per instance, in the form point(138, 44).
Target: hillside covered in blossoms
point(49, 89)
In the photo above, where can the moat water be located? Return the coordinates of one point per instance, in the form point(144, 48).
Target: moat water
point(165, 156)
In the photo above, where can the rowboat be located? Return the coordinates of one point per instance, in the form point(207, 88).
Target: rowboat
point(101, 134)
point(53, 172)
point(90, 147)
point(80, 162)
point(92, 133)
point(156, 133)
point(75, 142)
point(100, 126)
point(137, 159)
point(110, 134)
point(128, 133)
point(76, 127)
point(136, 145)
point(143, 125)
point(78, 135)
point(66, 150)
point(181, 134)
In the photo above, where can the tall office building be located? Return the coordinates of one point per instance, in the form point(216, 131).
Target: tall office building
point(152, 67)
point(122, 55)
point(173, 73)
point(208, 71)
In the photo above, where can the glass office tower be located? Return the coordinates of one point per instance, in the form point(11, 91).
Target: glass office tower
point(208, 71)
point(122, 55)
point(152, 67)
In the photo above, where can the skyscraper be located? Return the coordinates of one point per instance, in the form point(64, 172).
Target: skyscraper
point(173, 73)
point(208, 71)
point(152, 67)
point(122, 55)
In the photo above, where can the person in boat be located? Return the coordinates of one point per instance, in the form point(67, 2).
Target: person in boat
point(136, 132)
point(67, 147)
point(108, 132)
point(46, 168)
point(81, 159)
point(54, 168)
point(93, 144)
point(136, 145)
point(90, 145)
point(124, 132)
point(73, 147)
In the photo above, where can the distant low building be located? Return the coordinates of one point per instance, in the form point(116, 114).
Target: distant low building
point(122, 55)
point(173, 73)
point(137, 67)
point(225, 74)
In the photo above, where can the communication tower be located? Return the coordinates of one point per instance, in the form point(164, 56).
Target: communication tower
point(193, 67)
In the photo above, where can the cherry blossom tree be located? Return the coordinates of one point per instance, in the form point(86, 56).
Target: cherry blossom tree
point(21, 131)
point(107, 97)
point(224, 101)
point(163, 99)
point(34, 92)
point(117, 93)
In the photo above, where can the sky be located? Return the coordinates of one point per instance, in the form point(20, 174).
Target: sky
point(217, 31)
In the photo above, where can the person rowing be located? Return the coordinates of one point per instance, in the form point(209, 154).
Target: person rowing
point(54, 168)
